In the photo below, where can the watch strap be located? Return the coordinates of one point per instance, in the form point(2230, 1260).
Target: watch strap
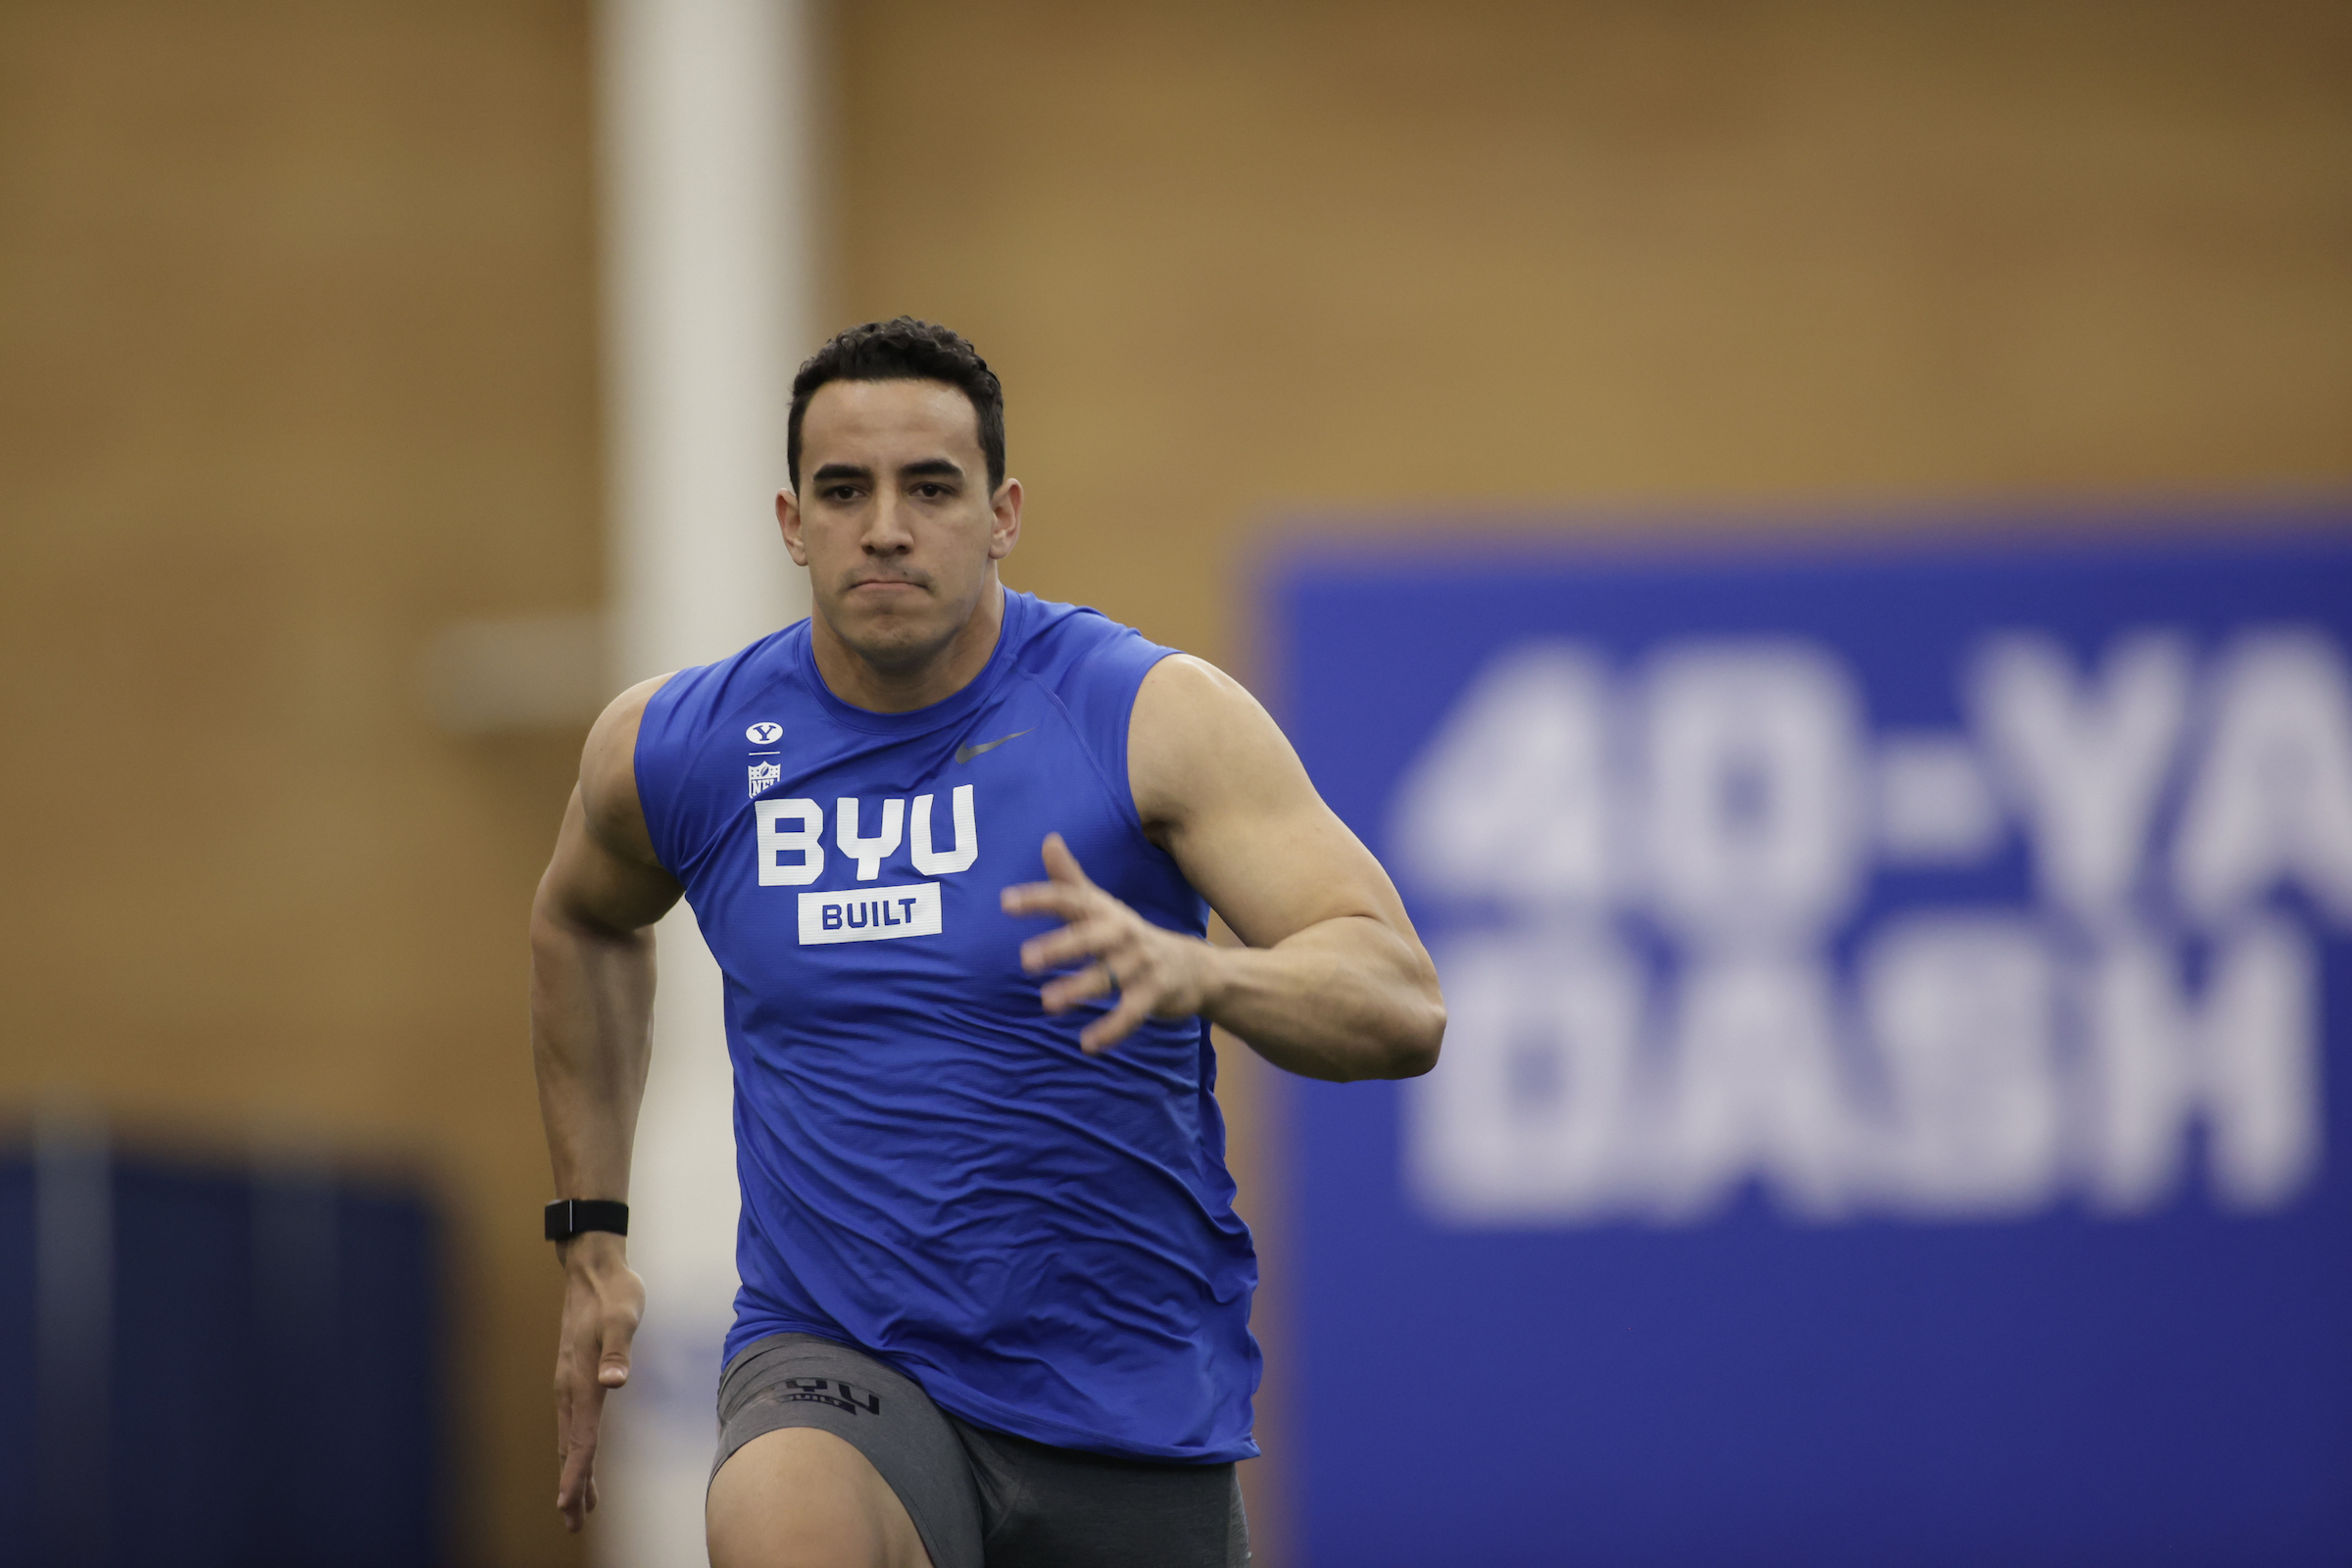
point(567, 1217)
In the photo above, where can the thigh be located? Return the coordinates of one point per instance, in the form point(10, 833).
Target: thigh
point(827, 1457)
point(1048, 1507)
point(802, 1497)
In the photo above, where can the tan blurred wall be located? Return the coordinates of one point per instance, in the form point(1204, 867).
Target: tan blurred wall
point(1431, 262)
point(297, 320)
point(295, 314)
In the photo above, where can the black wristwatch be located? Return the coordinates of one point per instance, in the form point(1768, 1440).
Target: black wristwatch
point(566, 1217)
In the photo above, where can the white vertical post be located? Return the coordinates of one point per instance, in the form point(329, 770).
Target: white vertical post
point(704, 127)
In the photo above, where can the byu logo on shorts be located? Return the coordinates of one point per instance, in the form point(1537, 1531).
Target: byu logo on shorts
point(851, 1396)
point(763, 734)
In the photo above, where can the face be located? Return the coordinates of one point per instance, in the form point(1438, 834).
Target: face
point(895, 520)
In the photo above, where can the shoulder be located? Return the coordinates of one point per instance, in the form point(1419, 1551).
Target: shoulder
point(670, 722)
point(1184, 692)
point(1093, 666)
point(608, 773)
point(1198, 733)
point(1072, 642)
point(685, 703)
point(658, 755)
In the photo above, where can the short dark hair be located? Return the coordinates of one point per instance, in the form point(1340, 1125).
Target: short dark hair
point(902, 349)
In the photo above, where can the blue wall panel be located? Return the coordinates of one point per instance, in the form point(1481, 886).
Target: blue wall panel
point(18, 1457)
point(265, 1388)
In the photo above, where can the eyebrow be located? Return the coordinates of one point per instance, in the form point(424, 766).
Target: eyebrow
point(925, 468)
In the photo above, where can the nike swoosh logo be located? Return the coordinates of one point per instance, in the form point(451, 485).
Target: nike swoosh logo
point(965, 754)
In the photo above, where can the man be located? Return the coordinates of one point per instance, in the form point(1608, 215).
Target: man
point(995, 1297)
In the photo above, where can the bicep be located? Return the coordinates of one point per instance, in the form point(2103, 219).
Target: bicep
point(604, 872)
point(1228, 796)
point(590, 883)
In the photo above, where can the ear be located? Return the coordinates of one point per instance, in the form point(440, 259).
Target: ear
point(1004, 531)
point(788, 518)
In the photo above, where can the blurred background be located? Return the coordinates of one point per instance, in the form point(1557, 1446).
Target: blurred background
point(332, 450)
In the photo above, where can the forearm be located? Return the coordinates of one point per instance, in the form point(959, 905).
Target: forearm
point(1341, 999)
point(592, 997)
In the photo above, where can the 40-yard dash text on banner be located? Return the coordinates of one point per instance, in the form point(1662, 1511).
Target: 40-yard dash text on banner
point(1892, 1106)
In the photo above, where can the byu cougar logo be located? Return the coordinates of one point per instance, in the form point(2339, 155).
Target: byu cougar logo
point(763, 734)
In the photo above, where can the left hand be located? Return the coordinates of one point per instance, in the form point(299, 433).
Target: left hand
point(603, 1302)
point(1158, 974)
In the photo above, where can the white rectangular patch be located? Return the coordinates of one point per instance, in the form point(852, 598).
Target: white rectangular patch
point(870, 914)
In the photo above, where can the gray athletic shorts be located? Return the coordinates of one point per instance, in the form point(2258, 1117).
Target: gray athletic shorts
point(982, 1499)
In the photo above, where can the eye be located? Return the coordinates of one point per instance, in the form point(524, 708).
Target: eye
point(930, 492)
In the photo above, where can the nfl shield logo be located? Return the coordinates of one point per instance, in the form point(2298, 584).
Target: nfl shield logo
point(763, 776)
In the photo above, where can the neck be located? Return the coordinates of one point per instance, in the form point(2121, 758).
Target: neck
point(932, 677)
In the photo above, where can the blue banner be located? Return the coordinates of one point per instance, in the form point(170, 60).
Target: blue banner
point(1895, 1103)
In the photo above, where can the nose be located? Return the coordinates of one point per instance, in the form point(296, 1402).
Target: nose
point(886, 526)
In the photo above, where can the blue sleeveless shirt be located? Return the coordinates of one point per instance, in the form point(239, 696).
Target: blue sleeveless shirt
point(932, 1171)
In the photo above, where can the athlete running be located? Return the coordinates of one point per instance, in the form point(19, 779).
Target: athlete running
point(995, 1303)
